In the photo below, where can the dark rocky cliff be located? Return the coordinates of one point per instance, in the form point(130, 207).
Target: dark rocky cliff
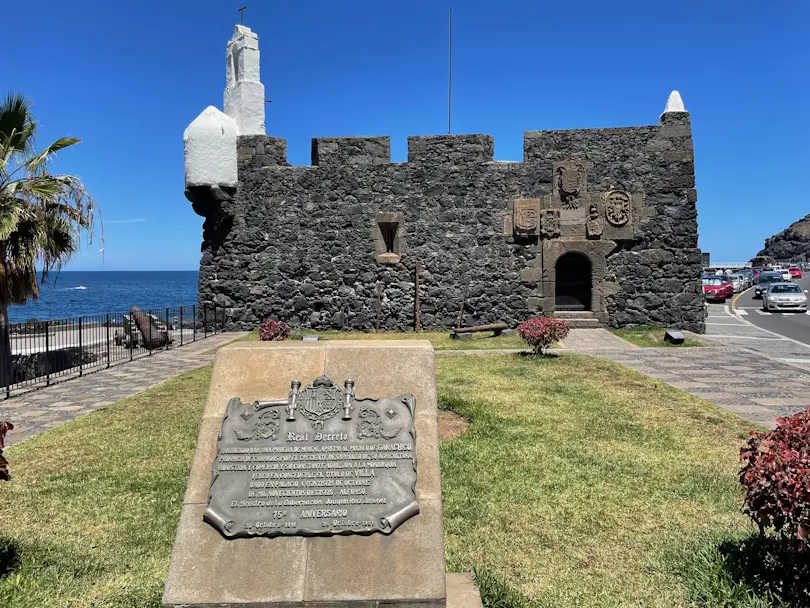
point(794, 242)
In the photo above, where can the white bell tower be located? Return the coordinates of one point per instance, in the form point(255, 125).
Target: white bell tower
point(244, 92)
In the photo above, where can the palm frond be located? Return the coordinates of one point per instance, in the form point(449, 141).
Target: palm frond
point(42, 215)
point(39, 161)
point(17, 125)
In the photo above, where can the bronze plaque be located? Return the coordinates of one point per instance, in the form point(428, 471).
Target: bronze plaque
point(320, 462)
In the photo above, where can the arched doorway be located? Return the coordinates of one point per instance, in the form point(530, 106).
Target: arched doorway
point(573, 285)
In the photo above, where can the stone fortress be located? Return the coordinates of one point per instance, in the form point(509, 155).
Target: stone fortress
point(597, 225)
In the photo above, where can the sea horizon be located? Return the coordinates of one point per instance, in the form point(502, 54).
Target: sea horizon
point(75, 293)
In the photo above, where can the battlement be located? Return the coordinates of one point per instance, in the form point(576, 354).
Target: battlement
point(467, 149)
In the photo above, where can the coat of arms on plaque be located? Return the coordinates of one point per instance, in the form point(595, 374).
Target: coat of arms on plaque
point(550, 223)
point(527, 211)
point(320, 401)
point(593, 226)
point(570, 180)
point(617, 207)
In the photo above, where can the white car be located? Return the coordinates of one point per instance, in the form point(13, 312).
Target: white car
point(784, 296)
point(783, 271)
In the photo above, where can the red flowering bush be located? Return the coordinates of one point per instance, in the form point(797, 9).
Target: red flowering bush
point(5, 427)
point(776, 477)
point(542, 333)
point(273, 330)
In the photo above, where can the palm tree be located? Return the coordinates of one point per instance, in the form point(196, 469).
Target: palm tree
point(42, 214)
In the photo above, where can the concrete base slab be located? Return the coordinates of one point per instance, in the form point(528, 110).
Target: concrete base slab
point(405, 569)
point(462, 592)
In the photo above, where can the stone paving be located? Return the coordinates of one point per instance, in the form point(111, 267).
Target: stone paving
point(38, 410)
point(751, 383)
point(736, 379)
point(594, 339)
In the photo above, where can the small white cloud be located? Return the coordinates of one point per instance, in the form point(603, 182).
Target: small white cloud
point(137, 220)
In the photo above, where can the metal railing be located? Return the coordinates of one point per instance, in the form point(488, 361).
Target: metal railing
point(43, 351)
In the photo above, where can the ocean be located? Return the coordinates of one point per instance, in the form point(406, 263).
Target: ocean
point(88, 293)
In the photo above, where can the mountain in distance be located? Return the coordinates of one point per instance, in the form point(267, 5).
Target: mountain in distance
point(792, 243)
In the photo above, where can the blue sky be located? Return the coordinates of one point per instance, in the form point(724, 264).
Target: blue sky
point(127, 78)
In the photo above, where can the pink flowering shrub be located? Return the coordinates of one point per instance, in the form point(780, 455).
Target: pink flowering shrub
point(5, 427)
point(776, 478)
point(273, 330)
point(542, 333)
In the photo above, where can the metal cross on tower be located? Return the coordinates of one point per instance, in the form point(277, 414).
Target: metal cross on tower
point(241, 12)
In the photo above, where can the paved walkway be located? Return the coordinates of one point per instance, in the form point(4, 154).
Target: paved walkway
point(751, 383)
point(594, 339)
point(38, 410)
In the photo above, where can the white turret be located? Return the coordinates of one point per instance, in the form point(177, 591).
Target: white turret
point(209, 144)
point(244, 92)
point(674, 103)
point(210, 141)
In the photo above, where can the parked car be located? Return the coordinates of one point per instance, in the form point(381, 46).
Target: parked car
point(765, 280)
point(737, 282)
point(795, 272)
point(717, 287)
point(748, 277)
point(784, 296)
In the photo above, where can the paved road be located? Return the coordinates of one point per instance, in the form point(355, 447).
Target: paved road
point(734, 325)
point(793, 325)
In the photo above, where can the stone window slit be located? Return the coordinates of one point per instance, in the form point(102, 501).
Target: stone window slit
point(387, 236)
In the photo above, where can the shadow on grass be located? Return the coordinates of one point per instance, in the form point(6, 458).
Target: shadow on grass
point(9, 557)
point(754, 571)
point(528, 354)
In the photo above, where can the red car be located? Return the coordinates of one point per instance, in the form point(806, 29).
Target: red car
point(717, 287)
point(795, 272)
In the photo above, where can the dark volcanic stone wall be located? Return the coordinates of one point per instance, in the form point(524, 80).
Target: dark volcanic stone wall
point(296, 243)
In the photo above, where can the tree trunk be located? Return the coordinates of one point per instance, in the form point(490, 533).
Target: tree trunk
point(5, 348)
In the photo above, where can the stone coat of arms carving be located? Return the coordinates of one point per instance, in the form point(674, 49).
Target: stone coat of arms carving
point(321, 401)
point(617, 207)
point(593, 226)
point(550, 223)
point(570, 181)
point(526, 215)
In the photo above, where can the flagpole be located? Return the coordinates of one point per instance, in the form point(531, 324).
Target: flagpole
point(449, 68)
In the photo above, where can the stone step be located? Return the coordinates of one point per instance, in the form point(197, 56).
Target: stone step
point(578, 322)
point(573, 314)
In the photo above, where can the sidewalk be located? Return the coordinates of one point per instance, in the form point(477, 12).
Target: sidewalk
point(38, 410)
point(750, 383)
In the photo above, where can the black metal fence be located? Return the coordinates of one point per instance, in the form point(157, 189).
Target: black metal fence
point(43, 351)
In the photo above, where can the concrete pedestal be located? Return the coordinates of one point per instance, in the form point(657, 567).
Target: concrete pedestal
point(404, 569)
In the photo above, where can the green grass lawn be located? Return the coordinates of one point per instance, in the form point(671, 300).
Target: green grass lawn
point(578, 483)
point(440, 340)
point(651, 336)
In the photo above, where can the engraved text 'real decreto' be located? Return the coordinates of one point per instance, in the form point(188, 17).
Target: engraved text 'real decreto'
point(319, 462)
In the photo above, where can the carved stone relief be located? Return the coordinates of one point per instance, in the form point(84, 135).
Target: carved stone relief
point(570, 183)
point(526, 215)
point(617, 207)
point(550, 223)
point(593, 227)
